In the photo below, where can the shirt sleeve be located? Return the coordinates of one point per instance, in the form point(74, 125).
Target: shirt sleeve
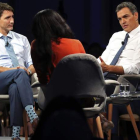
point(134, 67)
point(105, 55)
point(27, 53)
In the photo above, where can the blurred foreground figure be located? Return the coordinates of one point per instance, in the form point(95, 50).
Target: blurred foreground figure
point(63, 119)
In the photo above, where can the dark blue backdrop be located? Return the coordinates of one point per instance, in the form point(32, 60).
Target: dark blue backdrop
point(91, 20)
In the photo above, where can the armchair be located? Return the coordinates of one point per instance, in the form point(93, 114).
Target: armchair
point(79, 76)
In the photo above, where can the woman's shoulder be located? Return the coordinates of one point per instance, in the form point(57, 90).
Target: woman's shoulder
point(70, 40)
point(72, 43)
point(33, 42)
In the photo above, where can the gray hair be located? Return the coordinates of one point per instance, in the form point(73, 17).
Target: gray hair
point(129, 5)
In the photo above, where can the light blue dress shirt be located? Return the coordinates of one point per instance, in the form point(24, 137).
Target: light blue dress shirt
point(21, 48)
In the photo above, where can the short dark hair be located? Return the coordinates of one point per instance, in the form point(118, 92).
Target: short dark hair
point(5, 6)
point(129, 5)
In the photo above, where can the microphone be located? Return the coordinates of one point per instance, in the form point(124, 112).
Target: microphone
point(122, 42)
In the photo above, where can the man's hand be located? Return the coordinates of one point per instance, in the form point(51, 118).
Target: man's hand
point(2, 69)
point(32, 69)
point(111, 68)
point(18, 67)
point(103, 65)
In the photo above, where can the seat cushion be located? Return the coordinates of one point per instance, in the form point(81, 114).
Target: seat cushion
point(126, 117)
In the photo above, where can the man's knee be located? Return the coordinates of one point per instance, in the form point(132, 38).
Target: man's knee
point(22, 73)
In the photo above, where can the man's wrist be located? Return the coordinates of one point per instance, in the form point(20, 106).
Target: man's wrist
point(30, 72)
point(108, 68)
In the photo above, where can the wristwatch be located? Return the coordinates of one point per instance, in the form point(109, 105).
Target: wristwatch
point(30, 72)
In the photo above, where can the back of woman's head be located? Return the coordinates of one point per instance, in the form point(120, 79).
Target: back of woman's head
point(50, 24)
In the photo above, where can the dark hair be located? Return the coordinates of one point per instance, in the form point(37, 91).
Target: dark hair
point(5, 6)
point(129, 5)
point(48, 26)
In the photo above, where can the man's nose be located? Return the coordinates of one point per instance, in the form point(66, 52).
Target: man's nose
point(123, 21)
point(12, 20)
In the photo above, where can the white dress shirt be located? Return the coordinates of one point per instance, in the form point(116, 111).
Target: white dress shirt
point(130, 56)
point(21, 48)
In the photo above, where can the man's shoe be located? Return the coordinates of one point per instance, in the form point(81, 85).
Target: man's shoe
point(35, 123)
point(30, 129)
point(106, 125)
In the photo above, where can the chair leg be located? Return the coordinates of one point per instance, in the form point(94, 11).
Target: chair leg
point(90, 123)
point(133, 121)
point(110, 109)
point(95, 130)
point(25, 125)
point(21, 131)
point(3, 133)
point(93, 126)
point(99, 127)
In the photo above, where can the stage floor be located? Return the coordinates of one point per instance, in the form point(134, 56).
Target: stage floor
point(9, 138)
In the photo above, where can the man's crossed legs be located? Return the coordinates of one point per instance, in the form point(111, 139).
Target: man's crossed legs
point(16, 83)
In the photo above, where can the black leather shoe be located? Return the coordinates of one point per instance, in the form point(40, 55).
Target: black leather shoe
point(30, 129)
point(106, 125)
point(35, 123)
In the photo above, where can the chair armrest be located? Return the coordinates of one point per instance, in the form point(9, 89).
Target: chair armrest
point(137, 77)
point(133, 80)
point(108, 99)
point(34, 78)
point(35, 84)
point(111, 82)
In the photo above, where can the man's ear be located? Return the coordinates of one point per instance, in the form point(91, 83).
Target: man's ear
point(136, 15)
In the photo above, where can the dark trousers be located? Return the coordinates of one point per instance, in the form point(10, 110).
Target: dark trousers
point(16, 83)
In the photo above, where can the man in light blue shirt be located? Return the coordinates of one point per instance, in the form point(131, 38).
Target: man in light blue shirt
point(15, 68)
point(21, 48)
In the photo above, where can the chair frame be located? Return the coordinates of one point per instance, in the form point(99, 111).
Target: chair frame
point(129, 110)
point(135, 79)
point(6, 97)
point(91, 109)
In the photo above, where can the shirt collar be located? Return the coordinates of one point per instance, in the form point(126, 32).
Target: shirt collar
point(9, 35)
point(134, 32)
